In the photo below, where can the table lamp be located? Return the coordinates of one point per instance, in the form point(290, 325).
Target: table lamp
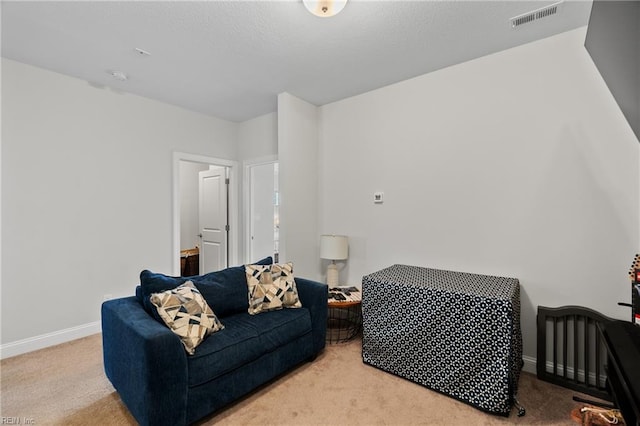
point(333, 247)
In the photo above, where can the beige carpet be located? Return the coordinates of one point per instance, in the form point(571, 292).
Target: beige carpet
point(66, 385)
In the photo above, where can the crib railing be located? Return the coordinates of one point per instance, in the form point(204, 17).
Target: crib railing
point(570, 350)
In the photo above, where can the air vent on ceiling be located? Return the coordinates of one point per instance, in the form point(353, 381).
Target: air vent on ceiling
point(534, 15)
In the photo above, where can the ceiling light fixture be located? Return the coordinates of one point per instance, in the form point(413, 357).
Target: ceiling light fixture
point(324, 8)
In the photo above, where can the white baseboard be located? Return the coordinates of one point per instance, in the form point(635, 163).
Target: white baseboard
point(571, 372)
point(49, 339)
point(55, 338)
point(529, 364)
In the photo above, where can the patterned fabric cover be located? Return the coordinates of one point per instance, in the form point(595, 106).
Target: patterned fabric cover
point(187, 314)
point(271, 287)
point(453, 332)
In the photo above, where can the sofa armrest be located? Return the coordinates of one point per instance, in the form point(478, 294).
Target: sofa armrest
point(313, 295)
point(145, 362)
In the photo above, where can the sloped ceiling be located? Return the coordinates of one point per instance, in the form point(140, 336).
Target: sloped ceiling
point(230, 59)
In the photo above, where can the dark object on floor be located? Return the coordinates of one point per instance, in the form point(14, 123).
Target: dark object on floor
point(622, 340)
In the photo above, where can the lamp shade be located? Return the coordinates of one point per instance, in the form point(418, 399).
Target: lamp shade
point(334, 247)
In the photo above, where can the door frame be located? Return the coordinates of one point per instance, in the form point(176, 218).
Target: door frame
point(246, 165)
point(234, 229)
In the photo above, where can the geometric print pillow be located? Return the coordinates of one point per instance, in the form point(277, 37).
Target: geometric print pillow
point(187, 314)
point(271, 287)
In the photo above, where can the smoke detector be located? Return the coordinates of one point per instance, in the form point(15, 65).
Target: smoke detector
point(534, 15)
point(118, 75)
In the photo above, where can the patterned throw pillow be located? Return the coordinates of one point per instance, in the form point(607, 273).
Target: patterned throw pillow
point(271, 287)
point(187, 314)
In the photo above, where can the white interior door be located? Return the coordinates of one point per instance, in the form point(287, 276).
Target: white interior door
point(262, 210)
point(213, 219)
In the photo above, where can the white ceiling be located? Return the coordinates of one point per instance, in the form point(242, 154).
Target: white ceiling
point(230, 59)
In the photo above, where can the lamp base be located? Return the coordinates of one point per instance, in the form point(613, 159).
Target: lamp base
point(332, 275)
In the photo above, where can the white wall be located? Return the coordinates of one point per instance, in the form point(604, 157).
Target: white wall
point(86, 194)
point(298, 184)
point(516, 164)
point(258, 137)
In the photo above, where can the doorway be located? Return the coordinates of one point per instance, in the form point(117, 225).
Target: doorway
point(204, 213)
point(262, 204)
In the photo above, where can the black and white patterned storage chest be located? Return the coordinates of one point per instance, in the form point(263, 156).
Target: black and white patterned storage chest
point(453, 332)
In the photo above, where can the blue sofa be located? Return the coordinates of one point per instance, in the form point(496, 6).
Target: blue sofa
point(161, 384)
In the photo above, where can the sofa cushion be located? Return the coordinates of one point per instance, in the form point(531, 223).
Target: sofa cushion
point(186, 313)
point(271, 287)
point(225, 291)
point(229, 349)
point(277, 328)
point(244, 339)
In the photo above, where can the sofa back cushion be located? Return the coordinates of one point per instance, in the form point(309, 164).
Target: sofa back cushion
point(225, 291)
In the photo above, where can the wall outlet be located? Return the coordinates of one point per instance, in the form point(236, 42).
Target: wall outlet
point(378, 197)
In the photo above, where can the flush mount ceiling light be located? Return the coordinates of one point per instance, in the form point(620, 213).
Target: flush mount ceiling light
point(324, 8)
